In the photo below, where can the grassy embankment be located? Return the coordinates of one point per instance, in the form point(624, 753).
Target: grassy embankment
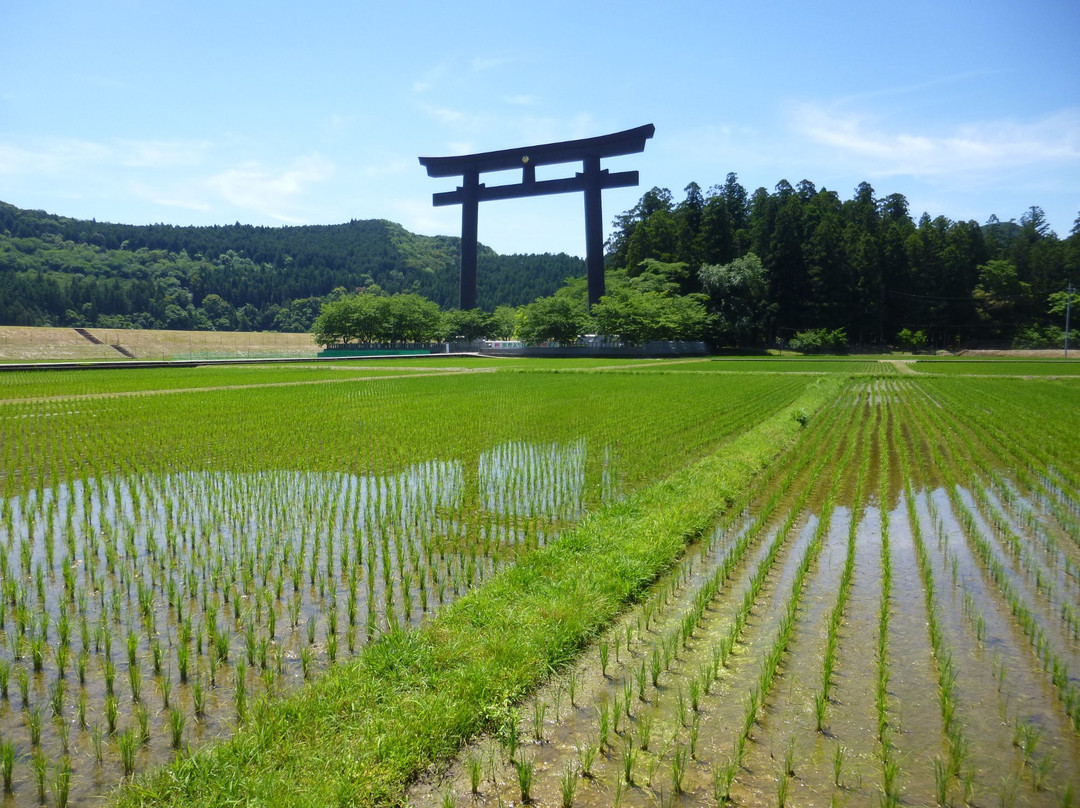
point(361, 733)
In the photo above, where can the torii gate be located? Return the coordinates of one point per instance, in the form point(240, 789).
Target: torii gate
point(592, 180)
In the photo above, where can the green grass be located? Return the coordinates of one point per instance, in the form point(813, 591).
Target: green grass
point(361, 733)
point(55, 383)
point(999, 367)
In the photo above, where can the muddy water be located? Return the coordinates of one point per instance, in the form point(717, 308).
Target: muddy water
point(852, 720)
point(915, 717)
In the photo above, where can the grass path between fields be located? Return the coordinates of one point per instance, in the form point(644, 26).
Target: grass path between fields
point(362, 732)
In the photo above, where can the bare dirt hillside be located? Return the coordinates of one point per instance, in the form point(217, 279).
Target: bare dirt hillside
point(27, 344)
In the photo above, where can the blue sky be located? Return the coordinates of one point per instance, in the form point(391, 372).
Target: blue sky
point(286, 113)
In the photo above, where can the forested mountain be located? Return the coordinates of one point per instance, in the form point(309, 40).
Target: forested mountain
point(61, 271)
point(862, 264)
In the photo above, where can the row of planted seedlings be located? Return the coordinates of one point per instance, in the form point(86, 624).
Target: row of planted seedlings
point(885, 741)
point(221, 587)
point(1032, 516)
point(145, 613)
point(1021, 579)
point(981, 630)
point(643, 726)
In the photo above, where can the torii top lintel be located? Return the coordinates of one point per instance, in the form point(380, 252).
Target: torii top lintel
point(591, 180)
point(632, 141)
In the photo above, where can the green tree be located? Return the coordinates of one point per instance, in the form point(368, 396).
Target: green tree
point(739, 295)
point(467, 325)
point(559, 318)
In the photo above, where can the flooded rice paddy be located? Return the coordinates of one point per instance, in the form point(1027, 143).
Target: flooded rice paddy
point(889, 619)
point(141, 616)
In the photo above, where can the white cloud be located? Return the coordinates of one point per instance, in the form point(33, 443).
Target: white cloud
point(255, 188)
point(968, 150)
point(66, 155)
point(480, 63)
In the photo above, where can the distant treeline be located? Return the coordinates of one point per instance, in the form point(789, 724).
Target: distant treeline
point(725, 265)
point(862, 266)
point(60, 271)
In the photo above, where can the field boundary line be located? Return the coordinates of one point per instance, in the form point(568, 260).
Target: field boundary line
point(221, 387)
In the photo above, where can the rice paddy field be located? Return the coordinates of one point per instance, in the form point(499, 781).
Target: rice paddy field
point(481, 582)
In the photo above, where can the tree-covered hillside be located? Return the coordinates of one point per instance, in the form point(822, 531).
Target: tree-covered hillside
point(60, 271)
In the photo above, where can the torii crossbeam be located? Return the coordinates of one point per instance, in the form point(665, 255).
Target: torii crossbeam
point(591, 179)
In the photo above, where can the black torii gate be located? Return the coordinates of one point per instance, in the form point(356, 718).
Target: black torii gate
point(592, 180)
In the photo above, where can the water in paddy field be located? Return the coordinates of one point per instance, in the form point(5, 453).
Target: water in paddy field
point(222, 587)
point(993, 570)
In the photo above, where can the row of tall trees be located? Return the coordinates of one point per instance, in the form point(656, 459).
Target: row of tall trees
point(862, 264)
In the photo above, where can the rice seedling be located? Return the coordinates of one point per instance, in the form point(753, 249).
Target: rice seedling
point(475, 767)
point(33, 724)
point(61, 783)
point(40, 766)
point(603, 725)
point(142, 720)
point(723, 779)
point(678, 770)
point(177, 721)
point(128, 744)
point(628, 756)
point(7, 763)
point(525, 769)
point(568, 783)
point(586, 757)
